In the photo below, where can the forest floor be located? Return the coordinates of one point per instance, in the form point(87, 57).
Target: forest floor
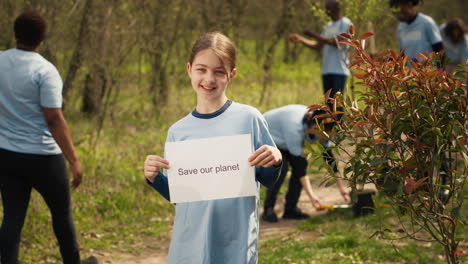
point(268, 231)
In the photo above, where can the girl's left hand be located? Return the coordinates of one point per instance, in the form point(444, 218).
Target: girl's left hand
point(266, 156)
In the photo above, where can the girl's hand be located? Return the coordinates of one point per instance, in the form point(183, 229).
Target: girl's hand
point(266, 156)
point(345, 195)
point(316, 202)
point(152, 165)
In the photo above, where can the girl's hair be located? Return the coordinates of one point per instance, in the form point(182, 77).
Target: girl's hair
point(220, 44)
point(30, 29)
point(319, 116)
point(396, 2)
point(454, 24)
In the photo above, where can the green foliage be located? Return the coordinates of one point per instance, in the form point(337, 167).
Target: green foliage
point(338, 237)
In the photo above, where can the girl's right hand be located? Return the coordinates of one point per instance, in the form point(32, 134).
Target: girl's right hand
point(152, 165)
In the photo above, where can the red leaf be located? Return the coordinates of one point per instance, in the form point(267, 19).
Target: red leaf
point(360, 123)
point(346, 35)
point(405, 59)
point(422, 56)
point(360, 75)
point(407, 168)
point(379, 141)
point(421, 181)
point(313, 107)
point(410, 185)
point(347, 43)
point(366, 35)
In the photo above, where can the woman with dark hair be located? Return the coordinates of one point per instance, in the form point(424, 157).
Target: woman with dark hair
point(417, 32)
point(455, 43)
point(33, 136)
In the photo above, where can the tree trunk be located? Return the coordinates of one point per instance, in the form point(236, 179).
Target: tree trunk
point(281, 27)
point(77, 57)
point(97, 81)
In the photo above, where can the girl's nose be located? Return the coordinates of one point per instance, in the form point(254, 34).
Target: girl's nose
point(210, 77)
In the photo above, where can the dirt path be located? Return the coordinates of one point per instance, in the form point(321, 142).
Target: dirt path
point(268, 231)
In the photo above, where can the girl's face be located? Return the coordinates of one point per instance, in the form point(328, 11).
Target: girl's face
point(208, 76)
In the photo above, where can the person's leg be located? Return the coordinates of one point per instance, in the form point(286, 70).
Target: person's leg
point(299, 169)
point(327, 82)
point(272, 192)
point(53, 185)
point(338, 82)
point(15, 199)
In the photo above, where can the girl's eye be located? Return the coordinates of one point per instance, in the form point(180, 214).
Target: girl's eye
point(220, 73)
point(201, 70)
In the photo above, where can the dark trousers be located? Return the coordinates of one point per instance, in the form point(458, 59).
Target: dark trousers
point(299, 169)
point(19, 174)
point(335, 82)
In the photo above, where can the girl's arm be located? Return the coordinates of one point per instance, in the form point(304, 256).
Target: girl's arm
point(310, 193)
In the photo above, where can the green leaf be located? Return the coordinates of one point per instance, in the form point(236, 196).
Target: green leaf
point(438, 132)
point(393, 156)
point(378, 161)
point(455, 213)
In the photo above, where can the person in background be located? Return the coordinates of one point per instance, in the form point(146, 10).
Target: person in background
point(455, 42)
point(34, 139)
point(417, 32)
point(335, 59)
point(289, 126)
point(223, 230)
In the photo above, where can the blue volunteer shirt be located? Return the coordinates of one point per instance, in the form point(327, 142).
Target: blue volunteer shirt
point(335, 58)
point(286, 127)
point(418, 36)
point(28, 82)
point(225, 230)
point(456, 52)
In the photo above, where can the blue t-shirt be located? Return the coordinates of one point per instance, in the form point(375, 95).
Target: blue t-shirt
point(28, 82)
point(335, 58)
point(286, 127)
point(418, 36)
point(456, 52)
point(225, 230)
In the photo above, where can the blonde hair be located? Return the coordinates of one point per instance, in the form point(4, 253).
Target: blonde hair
point(221, 45)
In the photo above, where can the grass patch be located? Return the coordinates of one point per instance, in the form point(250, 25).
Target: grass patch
point(339, 237)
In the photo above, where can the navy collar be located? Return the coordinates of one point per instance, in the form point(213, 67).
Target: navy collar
point(214, 114)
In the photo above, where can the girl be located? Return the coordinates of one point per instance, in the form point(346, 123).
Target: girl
point(417, 32)
point(226, 230)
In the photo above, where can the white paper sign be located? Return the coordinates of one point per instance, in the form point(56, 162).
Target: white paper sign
point(210, 168)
